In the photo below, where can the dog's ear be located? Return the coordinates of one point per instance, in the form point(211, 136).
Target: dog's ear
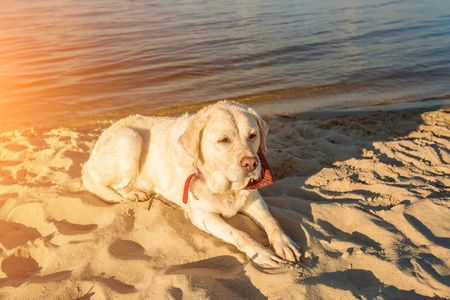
point(263, 130)
point(191, 139)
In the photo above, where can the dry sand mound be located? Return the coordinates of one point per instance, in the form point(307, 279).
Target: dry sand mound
point(369, 196)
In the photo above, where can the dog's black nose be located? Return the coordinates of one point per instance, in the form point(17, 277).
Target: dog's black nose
point(249, 163)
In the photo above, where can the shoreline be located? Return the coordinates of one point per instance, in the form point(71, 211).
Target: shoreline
point(385, 107)
point(282, 108)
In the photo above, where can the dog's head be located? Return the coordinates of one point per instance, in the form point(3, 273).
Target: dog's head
point(223, 139)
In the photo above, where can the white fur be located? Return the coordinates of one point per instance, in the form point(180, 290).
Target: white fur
point(139, 156)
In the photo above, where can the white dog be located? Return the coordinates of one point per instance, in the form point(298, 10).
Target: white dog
point(206, 163)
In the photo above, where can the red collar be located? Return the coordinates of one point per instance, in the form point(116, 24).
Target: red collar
point(186, 185)
point(266, 177)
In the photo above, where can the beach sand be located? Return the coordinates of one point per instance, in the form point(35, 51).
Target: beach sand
point(366, 196)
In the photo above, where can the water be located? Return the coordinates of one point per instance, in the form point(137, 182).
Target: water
point(65, 62)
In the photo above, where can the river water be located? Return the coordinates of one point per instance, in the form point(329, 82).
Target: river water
point(69, 63)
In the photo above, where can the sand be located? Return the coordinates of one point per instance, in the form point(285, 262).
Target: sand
point(367, 196)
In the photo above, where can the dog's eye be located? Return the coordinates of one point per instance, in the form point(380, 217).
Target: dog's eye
point(224, 140)
point(252, 136)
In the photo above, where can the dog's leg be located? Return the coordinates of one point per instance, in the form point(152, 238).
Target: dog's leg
point(106, 193)
point(114, 165)
point(215, 225)
point(129, 151)
point(133, 195)
point(284, 247)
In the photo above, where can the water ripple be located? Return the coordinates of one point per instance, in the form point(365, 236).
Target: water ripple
point(107, 58)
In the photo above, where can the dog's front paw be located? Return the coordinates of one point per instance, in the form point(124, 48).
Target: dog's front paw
point(265, 257)
point(285, 248)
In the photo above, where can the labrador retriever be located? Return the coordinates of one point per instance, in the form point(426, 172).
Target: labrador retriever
point(210, 164)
